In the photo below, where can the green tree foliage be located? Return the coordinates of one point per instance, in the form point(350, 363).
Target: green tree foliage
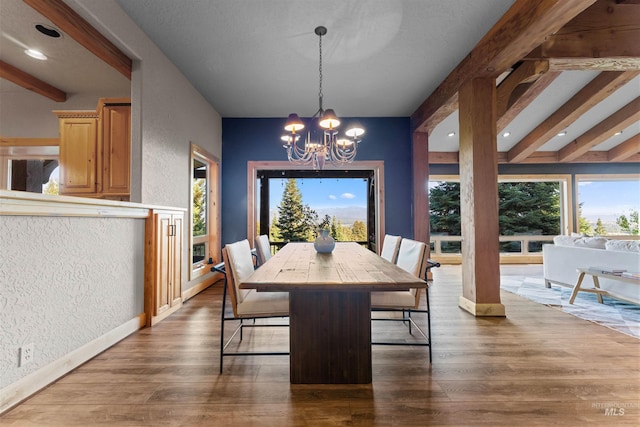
point(359, 231)
point(199, 207)
point(339, 232)
point(600, 230)
point(529, 208)
point(524, 208)
point(444, 206)
point(274, 231)
point(296, 221)
point(52, 187)
point(584, 226)
point(325, 223)
point(629, 225)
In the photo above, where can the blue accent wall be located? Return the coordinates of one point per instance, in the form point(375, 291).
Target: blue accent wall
point(245, 139)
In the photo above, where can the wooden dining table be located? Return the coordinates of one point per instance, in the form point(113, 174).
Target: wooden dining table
point(330, 307)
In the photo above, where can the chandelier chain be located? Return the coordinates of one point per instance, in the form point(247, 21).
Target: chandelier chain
point(320, 73)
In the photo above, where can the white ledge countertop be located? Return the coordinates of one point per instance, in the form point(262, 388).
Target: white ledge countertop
point(34, 204)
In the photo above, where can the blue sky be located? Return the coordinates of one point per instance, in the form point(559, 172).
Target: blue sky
point(323, 193)
point(608, 200)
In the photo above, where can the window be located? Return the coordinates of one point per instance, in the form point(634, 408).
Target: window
point(205, 243)
point(608, 205)
point(260, 173)
point(335, 200)
point(531, 211)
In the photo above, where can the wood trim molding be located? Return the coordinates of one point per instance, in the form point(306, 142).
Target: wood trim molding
point(76, 27)
point(29, 142)
point(253, 166)
point(27, 81)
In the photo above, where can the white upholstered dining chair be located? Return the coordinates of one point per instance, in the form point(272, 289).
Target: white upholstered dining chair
point(412, 257)
point(263, 247)
point(390, 246)
point(247, 304)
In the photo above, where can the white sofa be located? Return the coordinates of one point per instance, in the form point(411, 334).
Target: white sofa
point(562, 259)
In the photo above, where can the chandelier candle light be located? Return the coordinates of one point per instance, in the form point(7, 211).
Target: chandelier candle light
point(323, 145)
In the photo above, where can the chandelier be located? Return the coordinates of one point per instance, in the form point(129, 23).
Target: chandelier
point(321, 142)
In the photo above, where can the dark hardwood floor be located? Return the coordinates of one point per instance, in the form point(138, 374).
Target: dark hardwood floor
point(536, 367)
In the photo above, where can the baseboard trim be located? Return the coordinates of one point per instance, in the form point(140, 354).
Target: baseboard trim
point(15, 393)
point(482, 310)
point(199, 287)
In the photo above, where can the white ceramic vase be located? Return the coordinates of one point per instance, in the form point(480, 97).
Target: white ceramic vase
point(324, 243)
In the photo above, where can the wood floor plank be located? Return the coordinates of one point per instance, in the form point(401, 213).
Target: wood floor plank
point(536, 367)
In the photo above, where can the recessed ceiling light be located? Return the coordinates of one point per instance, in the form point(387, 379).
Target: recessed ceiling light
point(451, 134)
point(47, 30)
point(506, 134)
point(36, 54)
point(563, 133)
point(618, 133)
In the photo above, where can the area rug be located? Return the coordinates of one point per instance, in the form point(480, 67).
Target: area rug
point(615, 314)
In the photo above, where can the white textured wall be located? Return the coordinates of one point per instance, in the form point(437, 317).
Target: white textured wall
point(65, 281)
point(168, 113)
point(87, 281)
point(172, 112)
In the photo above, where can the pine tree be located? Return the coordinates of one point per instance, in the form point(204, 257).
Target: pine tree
point(629, 225)
point(296, 221)
point(359, 231)
point(274, 231)
point(199, 207)
point(600, 230)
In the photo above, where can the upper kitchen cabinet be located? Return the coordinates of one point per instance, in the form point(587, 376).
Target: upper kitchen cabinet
point(95, 150)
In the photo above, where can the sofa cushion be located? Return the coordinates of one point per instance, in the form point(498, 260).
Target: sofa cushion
point(565, 240)
point(623, 245)
point(591, 242)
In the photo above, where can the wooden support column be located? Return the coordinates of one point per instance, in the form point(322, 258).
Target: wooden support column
point(479, 199)
point(421, 186)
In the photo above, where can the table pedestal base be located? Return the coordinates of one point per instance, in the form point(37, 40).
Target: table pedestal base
point(330, 337)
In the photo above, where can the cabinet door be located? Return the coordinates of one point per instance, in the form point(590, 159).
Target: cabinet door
point(163, 262)
point(78, 150)
point(176, 281)
point(116, 141)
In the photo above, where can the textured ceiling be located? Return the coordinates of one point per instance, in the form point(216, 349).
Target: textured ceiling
point(255, 58)
point(259, 58)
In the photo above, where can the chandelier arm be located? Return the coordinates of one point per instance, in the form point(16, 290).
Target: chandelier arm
point(326, 148)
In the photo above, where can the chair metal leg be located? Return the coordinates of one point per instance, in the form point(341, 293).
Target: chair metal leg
point(428, 321)
point(224, 300)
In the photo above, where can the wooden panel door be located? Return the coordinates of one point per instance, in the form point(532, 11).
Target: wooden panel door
point(164, 263)
point(116, 139)
point(78, 154)
point(176, 260)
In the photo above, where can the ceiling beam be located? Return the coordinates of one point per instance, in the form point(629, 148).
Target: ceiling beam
point(27, 81)
point(515, 84)
point(523, 27)
point(76, 27)
point(625, 150)
point(514, 97)
point(539, 157)
point(603, 37)
point(604, 130)
point(603, 85)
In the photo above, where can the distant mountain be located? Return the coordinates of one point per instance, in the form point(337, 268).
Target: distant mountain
point(347, 215)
